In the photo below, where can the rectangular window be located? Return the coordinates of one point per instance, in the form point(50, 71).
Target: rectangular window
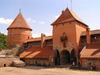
point(64, 45)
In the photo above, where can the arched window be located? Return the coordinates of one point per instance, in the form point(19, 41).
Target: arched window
point(64, 37)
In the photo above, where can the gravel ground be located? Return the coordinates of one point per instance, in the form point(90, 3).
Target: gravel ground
point(33, 70)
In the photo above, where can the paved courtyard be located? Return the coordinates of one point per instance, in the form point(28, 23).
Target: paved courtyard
point(33, 70)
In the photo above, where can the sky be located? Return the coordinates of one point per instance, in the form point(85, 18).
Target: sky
point(39, 14)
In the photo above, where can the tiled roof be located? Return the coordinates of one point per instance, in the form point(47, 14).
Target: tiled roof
point(91, 51)
point(48, 37)
point(66, 16)
point(37, 52)
point(19, 22)
point(38, 39)
point(92, 32)
point(32, 39)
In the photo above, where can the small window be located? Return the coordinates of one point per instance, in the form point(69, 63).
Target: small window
point(70, 22)
point(64, 45)
point(28, 37)
point(87, 29)
point(56, 25)
point(63, 24)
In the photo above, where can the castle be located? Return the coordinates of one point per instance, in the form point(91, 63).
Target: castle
point(72, 41)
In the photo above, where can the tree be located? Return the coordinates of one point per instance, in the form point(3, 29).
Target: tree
point(3, 41)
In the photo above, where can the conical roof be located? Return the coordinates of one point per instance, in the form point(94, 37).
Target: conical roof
point(19, 22)
point(66, 16)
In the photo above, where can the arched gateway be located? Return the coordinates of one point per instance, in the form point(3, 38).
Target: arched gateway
point(64, 57)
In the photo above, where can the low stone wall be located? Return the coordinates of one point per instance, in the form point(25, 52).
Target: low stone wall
point(85, 63)
point(38, 61)
point(7, 61)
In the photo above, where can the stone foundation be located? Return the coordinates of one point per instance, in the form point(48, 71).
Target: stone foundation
point(39, 62)
point(85, 63)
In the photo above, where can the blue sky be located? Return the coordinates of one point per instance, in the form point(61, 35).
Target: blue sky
point(39, 14)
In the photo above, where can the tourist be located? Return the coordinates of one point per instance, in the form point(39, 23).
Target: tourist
point(44, 64)
point(73, 63)
point(91, 67)
point(94, 66)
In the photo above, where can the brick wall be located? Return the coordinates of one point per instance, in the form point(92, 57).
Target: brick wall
point(73, 32)
point(18, 36)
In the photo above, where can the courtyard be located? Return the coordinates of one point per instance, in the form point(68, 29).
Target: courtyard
point(36, 70)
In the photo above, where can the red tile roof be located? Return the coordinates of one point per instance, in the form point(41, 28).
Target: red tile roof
point(92, 51)
point(19, 22)
point(38, 39)
point(37, 52)
point(48, 37)
point(66, 16)
point(92, 32)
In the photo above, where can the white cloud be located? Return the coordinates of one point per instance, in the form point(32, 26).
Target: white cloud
point(36, 35)
point(6, 21)
point(57, 16)
point(47, 34)
point(41, 22)
point(29, 19)
point(33, 21)
point(39, 35)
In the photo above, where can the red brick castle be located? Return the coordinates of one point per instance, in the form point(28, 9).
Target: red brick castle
point(72, 41)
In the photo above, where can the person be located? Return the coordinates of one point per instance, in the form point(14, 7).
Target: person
point(73, 63)
point(94, 66)
point(44, 64)
point(91, 67)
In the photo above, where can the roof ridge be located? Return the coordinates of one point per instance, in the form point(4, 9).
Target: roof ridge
point(66, 17)
point(74, 14)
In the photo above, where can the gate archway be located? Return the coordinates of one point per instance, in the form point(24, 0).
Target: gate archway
point(65, 57)
point(57, 58)
point(73, 57)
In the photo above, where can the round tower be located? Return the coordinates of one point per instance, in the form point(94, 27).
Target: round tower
point(18, 31)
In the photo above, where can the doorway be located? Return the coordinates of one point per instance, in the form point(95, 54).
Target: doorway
point(57, 59)
point(65, 57)
point(4, 65)
point(73, 57)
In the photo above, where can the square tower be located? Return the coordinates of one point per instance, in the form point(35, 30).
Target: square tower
point(67, 30)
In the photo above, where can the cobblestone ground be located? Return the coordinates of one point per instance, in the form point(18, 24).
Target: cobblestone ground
point(33, 70)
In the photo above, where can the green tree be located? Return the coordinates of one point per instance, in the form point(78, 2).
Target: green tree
point(3, 41)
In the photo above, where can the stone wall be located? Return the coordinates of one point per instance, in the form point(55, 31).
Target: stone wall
point(39, 61)
point(13, 50)
point(85, 63)
point(7, 60)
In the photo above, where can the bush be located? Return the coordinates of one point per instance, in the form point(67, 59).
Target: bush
point(3, 41)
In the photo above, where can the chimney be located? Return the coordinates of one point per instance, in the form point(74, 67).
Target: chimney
point(62, 11)
point(43, 43)
point(88, 37)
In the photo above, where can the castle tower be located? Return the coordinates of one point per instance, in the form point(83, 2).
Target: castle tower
point(18, 31)
point(67, 31)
